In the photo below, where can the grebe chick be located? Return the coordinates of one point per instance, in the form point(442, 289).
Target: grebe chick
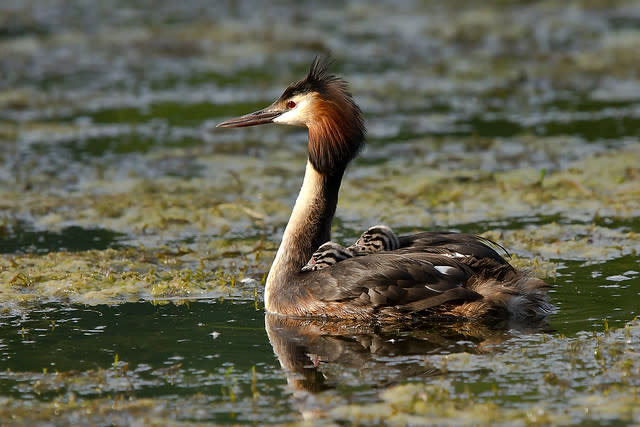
point(327, 255)
point(376, 239)
point(431, 273)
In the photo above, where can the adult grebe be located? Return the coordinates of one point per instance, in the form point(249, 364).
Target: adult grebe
point(431, 273)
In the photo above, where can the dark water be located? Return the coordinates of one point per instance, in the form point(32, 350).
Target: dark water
point(21, 239)
point(125, 216)
point(219, 349)
point(163, 351)
point(586, 295)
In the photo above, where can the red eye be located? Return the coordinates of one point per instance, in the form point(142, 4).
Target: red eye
point(291, 104)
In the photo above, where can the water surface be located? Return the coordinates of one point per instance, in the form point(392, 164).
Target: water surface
point(135, 237)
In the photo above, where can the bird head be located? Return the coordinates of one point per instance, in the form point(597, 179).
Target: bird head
point(322, 103)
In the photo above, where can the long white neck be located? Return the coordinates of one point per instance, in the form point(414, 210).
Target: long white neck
point(309, 226)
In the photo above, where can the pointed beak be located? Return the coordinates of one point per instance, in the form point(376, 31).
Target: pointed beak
point(252, 119)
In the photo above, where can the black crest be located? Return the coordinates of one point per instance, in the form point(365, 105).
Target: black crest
point(318, 80)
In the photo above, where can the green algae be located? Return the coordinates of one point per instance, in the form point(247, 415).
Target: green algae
point(517, 121)
point(572, 241)
point(179, 210)
point(114, 276)
point(602, 185)
point(601, 386)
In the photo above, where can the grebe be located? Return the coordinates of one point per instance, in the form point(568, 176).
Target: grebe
point(327, 255)
point(431, 273)
point(376, 239)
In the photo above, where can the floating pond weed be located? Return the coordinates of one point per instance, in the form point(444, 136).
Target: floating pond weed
point(126, 220)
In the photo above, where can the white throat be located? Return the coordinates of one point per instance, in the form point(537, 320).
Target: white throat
point(312, 186)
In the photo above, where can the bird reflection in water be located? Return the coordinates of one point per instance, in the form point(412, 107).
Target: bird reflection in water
point(319, 355)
